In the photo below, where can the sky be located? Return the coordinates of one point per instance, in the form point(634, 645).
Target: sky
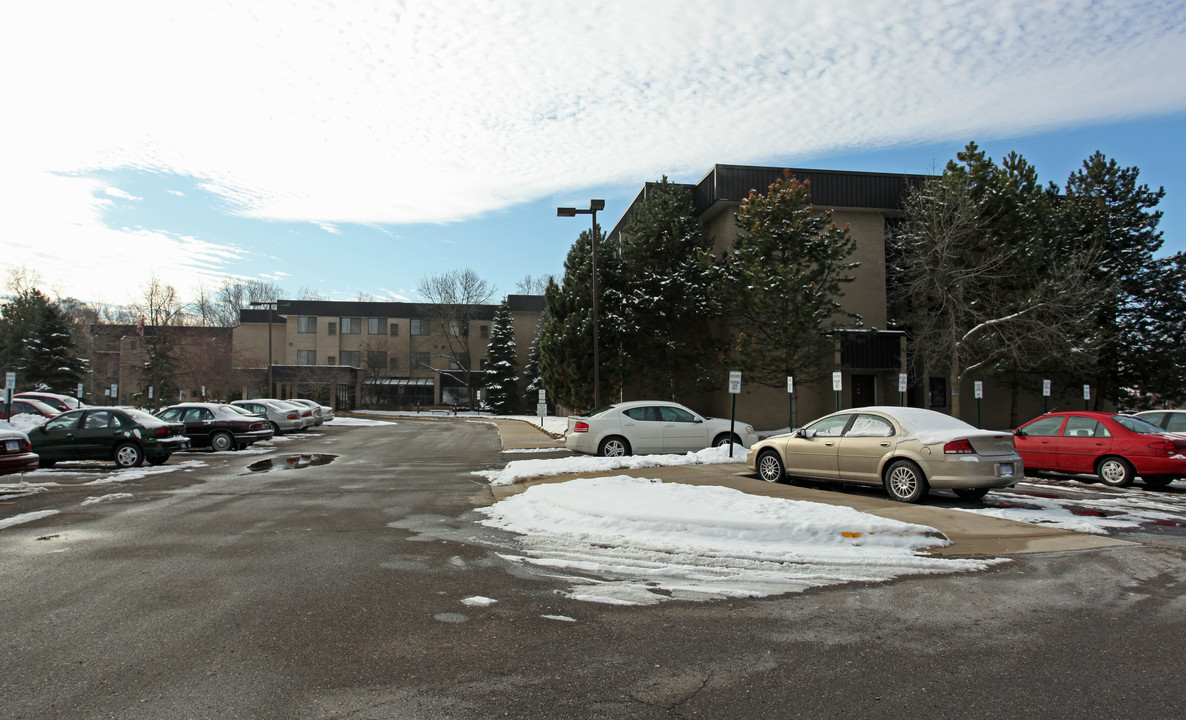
point(346, 148)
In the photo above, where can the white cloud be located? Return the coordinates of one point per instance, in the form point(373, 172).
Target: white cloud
point(117, 193)
point(425, 111)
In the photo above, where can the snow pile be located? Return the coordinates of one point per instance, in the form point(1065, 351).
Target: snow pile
point(627, 540)
point(23, 422)
point(517, 469)
point(1092, 512)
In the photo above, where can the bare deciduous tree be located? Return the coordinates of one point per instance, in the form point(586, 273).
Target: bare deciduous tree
point(454, 298)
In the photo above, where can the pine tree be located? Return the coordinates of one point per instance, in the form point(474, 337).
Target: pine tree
point(36, 342)
point(782, 283)
point(566, 338)
point(502, 389)
point(531, 379)
point(1105, 204)
point(667, 297)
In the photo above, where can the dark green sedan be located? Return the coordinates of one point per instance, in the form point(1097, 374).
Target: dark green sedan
point(126, 436)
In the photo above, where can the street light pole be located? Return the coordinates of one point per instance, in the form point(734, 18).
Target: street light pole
point(271, 309)
point(594, 206)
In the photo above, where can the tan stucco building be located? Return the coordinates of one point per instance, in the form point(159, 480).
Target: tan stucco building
point(377, 354)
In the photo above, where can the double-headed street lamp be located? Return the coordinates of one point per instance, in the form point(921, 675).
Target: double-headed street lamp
point(594, 206)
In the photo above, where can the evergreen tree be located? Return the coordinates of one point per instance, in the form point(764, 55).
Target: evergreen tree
point(667, 299)
point(36, 342)
point(782, 282)
point(1158, 341)
point(566, 337)
point(1105, 204)
point(502, 389)
point(531, 379)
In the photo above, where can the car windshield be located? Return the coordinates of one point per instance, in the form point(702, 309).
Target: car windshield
point(1137, 425)
point(600, 411)
point(236, 410)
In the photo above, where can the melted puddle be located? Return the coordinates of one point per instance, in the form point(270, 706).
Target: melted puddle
point(291, 462)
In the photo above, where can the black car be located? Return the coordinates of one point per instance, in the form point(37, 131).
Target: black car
point(220, 427)
point(125, 435)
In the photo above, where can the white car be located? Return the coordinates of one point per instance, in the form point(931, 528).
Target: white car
point(650, 426)
point(323, 413)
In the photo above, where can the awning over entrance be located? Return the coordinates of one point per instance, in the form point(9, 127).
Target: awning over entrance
point(399, 382)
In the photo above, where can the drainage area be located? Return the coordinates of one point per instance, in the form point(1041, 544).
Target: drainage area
point(291, 462)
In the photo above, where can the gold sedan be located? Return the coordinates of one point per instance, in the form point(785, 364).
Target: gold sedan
point(906, 450)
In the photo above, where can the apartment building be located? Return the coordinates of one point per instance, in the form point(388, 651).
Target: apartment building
point(377, 354)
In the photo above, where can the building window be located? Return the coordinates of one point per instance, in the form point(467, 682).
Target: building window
point(333, 330)
point(351, 326)
point(938, 392)
point(457, 328)
point(459, 362)
point(306, 357)
point(376, 326)
point(421, 326)
point(306, 324)
point(483, 331)
point(420, 360)
point(394, 363)
point(394, 327)
point(332, 359)
point(377, 359)
point(351, 358)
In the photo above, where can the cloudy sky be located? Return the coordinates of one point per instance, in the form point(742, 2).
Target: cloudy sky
point(348, 147)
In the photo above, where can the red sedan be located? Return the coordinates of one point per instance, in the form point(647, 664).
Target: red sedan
point(1115, 447)
point(16, 455)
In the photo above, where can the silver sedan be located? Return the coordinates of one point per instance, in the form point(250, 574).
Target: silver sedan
point(650, 426)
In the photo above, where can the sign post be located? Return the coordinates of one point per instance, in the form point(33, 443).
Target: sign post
point(837, 385)
point(1045, 396)
point(734, 390)
point(978, 390)
point(9, 386)
point(902, 378)
point(114, 393)
point(791, 395)
point(1087, 397)
point(541, 407)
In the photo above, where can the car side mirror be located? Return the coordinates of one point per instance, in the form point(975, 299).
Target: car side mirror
point(1019, 433)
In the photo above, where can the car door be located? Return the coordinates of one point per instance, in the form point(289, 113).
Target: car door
point(198, 422)
point(866, 441)
point(1083, 439)
point(55, 439)
point(683, 431)
point(1036, 443)
point(642, 429)
point(97, 435)
point(812, 451)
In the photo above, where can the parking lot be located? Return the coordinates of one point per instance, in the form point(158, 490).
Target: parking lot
point(341, 573)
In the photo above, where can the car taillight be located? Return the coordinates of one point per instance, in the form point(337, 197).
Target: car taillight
point(1168, 446)
point(257, 426)
point(292, 416)
point(581, 427)
point(163, 432)
point(959, 447)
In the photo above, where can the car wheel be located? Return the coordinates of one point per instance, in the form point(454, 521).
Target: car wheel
point(770, 467)
point(905, 482)
point(45, 463)
point(276, 430)
point(222, 441)
point(970, 493)
point(613, 447)
point(157, 459)
point(1157, 481)
point(1115, 472)
point(128, 455)
point(723, 439)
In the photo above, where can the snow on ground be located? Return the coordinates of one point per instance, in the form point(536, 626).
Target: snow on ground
point(341, 421)
point(25, 518)
point(637, 541)
point(1081, 508)
point(518, 469)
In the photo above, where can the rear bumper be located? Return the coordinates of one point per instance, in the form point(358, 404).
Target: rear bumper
point(977, 472)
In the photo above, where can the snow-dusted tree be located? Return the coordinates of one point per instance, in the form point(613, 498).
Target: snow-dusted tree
point(987, 279)
point(782, 283)
point(502, 381)
point(667, 297)
point(531, 380)
point(566, 338)
point(36, 342)
point(454, 299)
point(1104, 204)
point(1157, 341)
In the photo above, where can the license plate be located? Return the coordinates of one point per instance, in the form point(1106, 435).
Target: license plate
point(1006, 470)
point(11, 445)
